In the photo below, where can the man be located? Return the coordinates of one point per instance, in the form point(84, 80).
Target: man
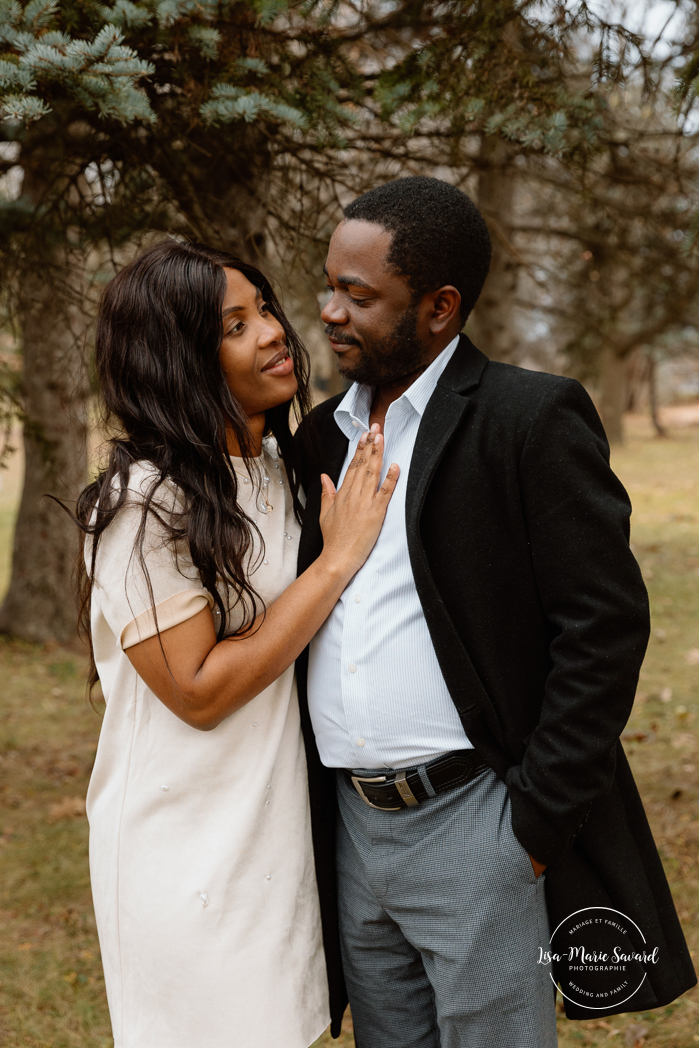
point(464, 701)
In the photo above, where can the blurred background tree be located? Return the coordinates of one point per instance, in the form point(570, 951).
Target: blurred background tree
point(248, 124)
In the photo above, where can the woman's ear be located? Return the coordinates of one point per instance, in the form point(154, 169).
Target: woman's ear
point(446, 303)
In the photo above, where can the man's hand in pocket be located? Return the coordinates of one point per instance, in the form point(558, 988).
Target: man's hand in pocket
point(538, 867)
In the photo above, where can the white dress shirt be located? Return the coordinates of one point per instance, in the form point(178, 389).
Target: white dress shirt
point(376, 693)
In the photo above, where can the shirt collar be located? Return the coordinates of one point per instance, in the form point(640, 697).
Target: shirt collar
point(352, 413)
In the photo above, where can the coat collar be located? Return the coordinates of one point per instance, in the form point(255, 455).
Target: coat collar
point(463, 373)
point(443, 415)
point(465, 369)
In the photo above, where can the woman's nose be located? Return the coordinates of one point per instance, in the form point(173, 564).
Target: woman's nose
point(272, 331)
point(333, 312)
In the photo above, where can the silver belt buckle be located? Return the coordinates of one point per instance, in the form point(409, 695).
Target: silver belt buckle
point(357, 780)
point(406, 793)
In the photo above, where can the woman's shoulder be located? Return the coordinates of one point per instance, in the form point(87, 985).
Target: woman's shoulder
point(145, 489)
point(146, 481)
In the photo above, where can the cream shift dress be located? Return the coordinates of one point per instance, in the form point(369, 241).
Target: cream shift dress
point(200, 841)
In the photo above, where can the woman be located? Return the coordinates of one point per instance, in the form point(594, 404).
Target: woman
point(200, 847)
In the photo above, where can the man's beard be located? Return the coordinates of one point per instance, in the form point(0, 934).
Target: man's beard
point(385, 361)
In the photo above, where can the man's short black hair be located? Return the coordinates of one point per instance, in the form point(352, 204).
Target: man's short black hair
point(439, 235)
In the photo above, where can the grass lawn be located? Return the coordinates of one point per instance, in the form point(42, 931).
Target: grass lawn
point(51, 986)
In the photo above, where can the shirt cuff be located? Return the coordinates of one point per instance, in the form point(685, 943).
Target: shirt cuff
point(169, 613)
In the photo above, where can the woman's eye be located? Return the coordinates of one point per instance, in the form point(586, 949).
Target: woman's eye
point(235, 329)
point(264, 308)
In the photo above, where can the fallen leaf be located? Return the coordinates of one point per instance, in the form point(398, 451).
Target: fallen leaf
point(68, 808)
point(635, 1035)
point(684, 741)
point(634, 736)
point(693, 657)
point(666, 695)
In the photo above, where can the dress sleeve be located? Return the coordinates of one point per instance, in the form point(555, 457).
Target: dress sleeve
point(140, 597)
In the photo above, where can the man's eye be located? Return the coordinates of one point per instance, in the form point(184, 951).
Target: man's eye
point(360, 301)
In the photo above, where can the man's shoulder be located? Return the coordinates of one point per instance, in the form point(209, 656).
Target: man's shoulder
point(512, 379)
point(320, 419)
point(520, 393)
point(316, 429)
point(519, 404)
point(326, 408)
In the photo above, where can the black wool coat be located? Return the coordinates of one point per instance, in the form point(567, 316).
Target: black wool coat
point(518, 533)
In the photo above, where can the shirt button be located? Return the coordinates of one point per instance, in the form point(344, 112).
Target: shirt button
point(361, 742)
point(352, 668)
point(357, 425)
point(357, 598)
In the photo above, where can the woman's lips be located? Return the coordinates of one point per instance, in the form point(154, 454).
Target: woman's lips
point(284, 365)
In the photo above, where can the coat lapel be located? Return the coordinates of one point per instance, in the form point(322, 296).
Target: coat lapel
point(331, 448)
point(444, 415)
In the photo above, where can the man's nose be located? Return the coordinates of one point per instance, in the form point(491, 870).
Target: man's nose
point(333, 312)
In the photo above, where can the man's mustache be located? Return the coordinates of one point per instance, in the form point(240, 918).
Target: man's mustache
point(348, 340)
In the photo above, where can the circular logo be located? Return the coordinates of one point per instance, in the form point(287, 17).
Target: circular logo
point(599, 958)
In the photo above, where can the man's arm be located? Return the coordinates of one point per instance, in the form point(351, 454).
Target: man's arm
point(594, 598)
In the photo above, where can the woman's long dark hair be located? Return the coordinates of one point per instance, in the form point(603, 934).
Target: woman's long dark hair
point(159, 331)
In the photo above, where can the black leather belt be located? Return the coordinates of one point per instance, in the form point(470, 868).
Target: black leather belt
point(405, 789)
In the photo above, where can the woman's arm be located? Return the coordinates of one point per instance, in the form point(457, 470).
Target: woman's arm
point(203, 680)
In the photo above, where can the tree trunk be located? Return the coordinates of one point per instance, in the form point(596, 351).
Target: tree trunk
point(40, 604)
point(493, 324)
point(653, 396)
point(613, 395)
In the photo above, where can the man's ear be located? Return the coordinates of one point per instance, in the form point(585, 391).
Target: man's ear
point(445, 306)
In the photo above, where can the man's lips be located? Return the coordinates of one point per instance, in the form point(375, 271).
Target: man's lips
point(280, 364)
point(341, 347)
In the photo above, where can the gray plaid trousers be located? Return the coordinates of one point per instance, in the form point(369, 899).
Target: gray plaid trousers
point(441, 918)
